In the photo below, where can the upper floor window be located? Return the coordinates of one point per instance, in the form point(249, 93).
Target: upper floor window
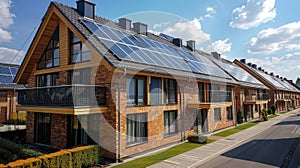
point(80, 76)
point(136, 94)
point(79, 52)
point(170, 89)
point(156, 91)
point(50, 57)
point(46, 79)
point(201, 91)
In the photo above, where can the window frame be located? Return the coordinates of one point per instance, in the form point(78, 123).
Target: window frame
point(158, 91)
point(39, 79)
point(167, 91)
point(168, 124)
point(132, 140)
point(135, 80)
point(217, 114)
point(80, 53)
point(201, 92)
point(229, 114)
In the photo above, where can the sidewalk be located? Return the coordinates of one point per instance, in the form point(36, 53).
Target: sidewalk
point(199, 155)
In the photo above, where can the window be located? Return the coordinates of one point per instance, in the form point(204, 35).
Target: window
point(50, 57)
point(170, 122)
point(136, 94)
point(215, 94)
point(229, 113)
point(201, 91)
point(136, 128)
point(79, 52)
point(46, 79)
point(156, 91)
point(170, 90)
point(80, 76)
point(42, 128)
point(3, 96)
point(228, 93)
point(217, 114)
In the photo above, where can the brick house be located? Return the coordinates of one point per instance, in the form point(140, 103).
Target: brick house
point(8, 100)
point(283, 93)
point(92, 80)
point(251, 95)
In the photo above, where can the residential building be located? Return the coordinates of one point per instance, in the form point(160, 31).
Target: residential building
point(92, 80)
point(283, 94)
point(8, 100)
point(251, 95)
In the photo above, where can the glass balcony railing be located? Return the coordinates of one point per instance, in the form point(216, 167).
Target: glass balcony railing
point(217, 96)
point(258, 97)
point(66, 96)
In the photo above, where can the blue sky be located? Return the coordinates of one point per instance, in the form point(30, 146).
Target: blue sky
point(265, 32)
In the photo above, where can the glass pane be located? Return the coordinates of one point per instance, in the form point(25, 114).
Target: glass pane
point(141, 94)
point(56, 53)
point(86, 56)
point(130, 91)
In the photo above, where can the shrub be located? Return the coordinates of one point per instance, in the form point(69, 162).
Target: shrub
point(7, 156)
point(273, 108)
point(28, 163)
point(240, 117)
point(85, 156)
point(58, 159)
point(2, 165)
point(270, 111)
point(197, 139)
point(264, 115)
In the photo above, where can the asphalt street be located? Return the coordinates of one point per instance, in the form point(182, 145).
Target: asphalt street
point(278, 146)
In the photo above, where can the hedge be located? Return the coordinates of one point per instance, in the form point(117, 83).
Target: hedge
point(85, 156)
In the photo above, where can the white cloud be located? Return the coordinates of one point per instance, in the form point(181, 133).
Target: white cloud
point(188, 30)
point(286, 66)
point(221, 46)
point(254, 13)
point(284, 38)
point(160, 25)
point(210, 12)
point(8, 55)
point(6, 19)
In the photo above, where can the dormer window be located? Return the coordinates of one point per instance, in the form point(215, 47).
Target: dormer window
point(79, 52)
point(50, 57)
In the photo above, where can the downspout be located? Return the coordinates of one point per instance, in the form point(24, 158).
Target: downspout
point(182, 105)
point(119, 115)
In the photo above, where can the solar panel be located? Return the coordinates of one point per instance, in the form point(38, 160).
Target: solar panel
point(6, 79)
point(4, 70)
point(136, 48)
point(168, 37)
point(269, 78)
point(14, 71)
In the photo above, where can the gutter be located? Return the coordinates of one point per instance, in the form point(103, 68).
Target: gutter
point(119, 115)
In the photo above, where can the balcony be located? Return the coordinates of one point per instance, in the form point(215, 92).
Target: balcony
point(67, 96)
point(217, 96)
point(257, 98)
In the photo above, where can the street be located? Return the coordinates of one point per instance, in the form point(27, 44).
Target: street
point(278, 146)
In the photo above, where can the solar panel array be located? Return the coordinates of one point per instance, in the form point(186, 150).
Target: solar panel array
point(7, 74)
point(140, 49)
point(238, 73)
point(270, 79)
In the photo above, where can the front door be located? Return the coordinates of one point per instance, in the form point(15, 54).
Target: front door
point(201, 126)
point(42, 128)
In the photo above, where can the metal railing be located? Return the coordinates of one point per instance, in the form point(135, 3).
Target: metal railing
point(216, 96)
point(66, 95)
point(259, 96)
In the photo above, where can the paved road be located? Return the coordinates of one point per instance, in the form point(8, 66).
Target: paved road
point(278, 146)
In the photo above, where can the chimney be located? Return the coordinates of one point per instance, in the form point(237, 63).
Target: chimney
point(277, 76)
point(86, 8)
point(254, 66)
point(291, 81)
point(140, 28)
point(284, 79)
point(272, 74)
point(259, 68)
point(216, 55)
point(266, 72)
point(243, 61)
point(125, 23)
point(177, 42)
point(249, 64)
point(281, 78)
point(191, 45)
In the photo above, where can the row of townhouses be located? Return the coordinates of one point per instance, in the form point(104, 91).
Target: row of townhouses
point(92, 80)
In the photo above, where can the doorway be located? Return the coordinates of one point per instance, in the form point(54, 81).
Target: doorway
point(201, 125)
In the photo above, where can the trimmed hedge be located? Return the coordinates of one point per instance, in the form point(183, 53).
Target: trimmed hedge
point(85, 156)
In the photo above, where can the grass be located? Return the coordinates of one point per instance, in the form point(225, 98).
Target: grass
point(273, 116)
point(236, 129)
point(158, 157)
point(283, 112)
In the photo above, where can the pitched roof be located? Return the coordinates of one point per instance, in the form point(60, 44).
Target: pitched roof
point(7, 73)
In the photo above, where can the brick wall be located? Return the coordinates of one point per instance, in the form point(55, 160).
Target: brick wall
point(30, 127)
point(58, 132)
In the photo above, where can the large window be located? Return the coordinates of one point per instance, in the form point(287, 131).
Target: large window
point(136, 94)
point(136, 129)
point(42, 128)
point(228, 93)
point(229, 113)
point(80, 76)
point(170, 122)
point(217, 114)
point(156, 91)
point(170, 90)
point(46, 79)
point(79, 52)
point(201, 91)
point(50, 57)
point(3, 96)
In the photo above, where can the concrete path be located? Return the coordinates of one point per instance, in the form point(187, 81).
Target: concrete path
point(199, 155)
point(6, 128)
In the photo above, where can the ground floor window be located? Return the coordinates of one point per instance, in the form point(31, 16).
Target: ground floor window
point(170, 122)
point(229, 113)
point(136, 128)
point(217, 114)
point(42, 128)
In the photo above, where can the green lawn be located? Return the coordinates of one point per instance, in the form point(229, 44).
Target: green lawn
point(160, 156)
point(273, 116)
point(235, 129)
point(283, 112)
